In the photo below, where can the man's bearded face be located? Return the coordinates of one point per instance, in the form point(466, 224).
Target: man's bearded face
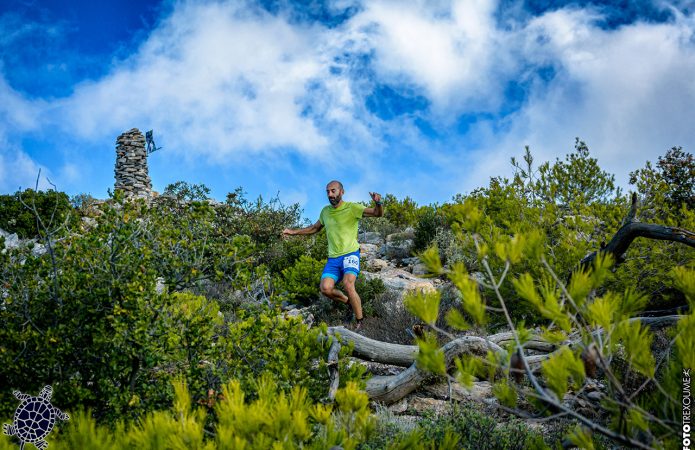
point(334, 194)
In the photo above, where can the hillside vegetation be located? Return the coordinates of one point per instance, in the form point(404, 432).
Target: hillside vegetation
point(165, 324)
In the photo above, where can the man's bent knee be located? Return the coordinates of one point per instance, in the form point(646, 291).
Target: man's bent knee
point(327, 285)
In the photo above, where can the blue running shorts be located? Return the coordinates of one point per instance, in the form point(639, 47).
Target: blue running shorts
point(337, 267)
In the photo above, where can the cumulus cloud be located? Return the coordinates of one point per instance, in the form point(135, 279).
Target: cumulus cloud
point(223, 81)
point(17, 168)
point(221, 78)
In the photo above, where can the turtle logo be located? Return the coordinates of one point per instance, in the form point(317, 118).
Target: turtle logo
point(34, 418)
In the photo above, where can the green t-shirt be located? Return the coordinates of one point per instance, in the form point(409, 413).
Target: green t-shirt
point(341, 227)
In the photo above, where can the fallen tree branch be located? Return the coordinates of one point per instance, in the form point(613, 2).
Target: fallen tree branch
point(631, 230)
point(333, 353)
point(389, 389)
point(404, 355)
point(373, 350)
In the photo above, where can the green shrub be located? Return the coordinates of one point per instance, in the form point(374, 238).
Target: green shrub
point(428, 224)
point(184, 191)
point(87, 318)
point(401, 213)
point(283, 254)
point(476, 430)
point(262, 221)
point(17, 212)
point(271, 419)
point(284, 349)
point(300, 282)
point(369, 291)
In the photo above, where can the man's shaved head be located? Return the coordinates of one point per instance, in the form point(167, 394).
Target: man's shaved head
point(340, 185)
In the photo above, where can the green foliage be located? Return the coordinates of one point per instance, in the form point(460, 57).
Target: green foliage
point(300, 282)
point(673, 180)
point(476, 430)
point(561, 366)
point(401, 213)
point(430, 357)
point(424, 305)
point(90, 319)
point(426, 228)
point(272, 419)
point(262, 221)
point(17, 212)
point(284, 349)
point(369, 291)
point(184, 191)
point(576, 181)
point(516, 259)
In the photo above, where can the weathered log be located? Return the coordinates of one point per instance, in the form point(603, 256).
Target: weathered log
point(535, 343)
point(389, 389)
point(373, 350)
point(633, 229)
point(333, 353)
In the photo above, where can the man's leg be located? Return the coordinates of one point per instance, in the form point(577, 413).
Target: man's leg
point(349, 282)
point(329, 290)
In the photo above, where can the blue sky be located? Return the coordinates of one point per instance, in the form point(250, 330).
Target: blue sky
point(424, 98)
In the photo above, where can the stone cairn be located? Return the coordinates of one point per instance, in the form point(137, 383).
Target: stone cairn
point(131, 172)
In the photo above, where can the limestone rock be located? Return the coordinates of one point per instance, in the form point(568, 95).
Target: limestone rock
point(370, 237)
point(377, 265)
point(481, 390)
point(397, 249)
point(399, 407)
point(368, 251)
point(401, 280)
point(11, 239)
point(420, 269)
point(422, 404)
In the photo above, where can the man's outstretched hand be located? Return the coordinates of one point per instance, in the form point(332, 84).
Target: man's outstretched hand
point(287, 232)
point(375, 196)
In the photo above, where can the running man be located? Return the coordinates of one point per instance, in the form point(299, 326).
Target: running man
point(340, 219)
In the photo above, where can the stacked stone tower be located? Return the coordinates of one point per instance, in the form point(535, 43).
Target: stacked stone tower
point(131, 172)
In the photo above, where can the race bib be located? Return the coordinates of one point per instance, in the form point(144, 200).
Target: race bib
point(351, 262)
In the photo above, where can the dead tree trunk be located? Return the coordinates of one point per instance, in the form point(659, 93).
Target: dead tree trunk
point(633, 229)
point(389, 389)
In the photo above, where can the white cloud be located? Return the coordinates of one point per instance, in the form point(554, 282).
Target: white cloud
point(19, 171)
point(219, 78)
point(447, 49)
point(228, 82)
point(17, 168)
point(629, 93)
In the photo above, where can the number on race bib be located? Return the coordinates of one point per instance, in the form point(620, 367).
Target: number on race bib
point(351, 262)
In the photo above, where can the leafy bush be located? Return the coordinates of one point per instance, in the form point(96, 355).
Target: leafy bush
point(427, 227)
point(671, 183)
point(401, 213)
point(272, 419)
point(472, 429)
point(262, 221)
point(287, 350)
point(301, 281)
point(369, 291)
point(184, 191)
point(88, 317)
point(591, 328)
point(53, 209)
point(282, 254)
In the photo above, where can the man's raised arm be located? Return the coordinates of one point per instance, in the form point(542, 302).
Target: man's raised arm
point(311, 229)
point(378, 209)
